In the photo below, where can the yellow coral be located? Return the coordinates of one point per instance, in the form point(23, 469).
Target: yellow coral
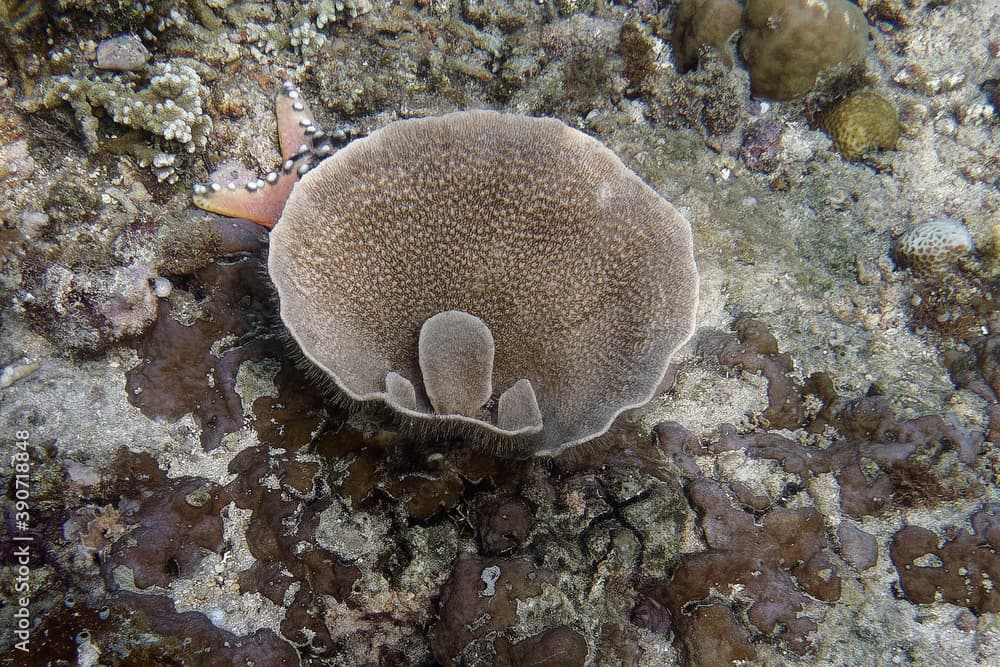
point(862, 123)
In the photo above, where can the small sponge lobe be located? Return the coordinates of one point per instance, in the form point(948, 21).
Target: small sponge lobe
point(456, 359)
point(518, 408)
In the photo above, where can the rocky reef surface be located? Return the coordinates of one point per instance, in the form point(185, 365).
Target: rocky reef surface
point(817, 484)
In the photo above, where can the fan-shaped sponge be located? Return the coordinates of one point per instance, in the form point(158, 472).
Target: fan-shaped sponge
point(436, 259)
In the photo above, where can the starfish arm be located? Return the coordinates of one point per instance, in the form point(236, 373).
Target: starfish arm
point(260, 200)
point(296, 125)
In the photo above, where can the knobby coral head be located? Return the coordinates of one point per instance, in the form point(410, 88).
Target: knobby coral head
point(497, 276)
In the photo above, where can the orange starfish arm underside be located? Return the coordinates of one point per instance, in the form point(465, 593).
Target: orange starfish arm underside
point(262, 200)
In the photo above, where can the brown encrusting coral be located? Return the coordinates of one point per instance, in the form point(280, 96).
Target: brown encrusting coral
point(755, 349)
point(775, 564)
point(772, 563)
point(319, 496)
point(480, 600)
point(184, 367)
point(960, 567)
point(150, 631)
point(178, 521)
point(978, 368)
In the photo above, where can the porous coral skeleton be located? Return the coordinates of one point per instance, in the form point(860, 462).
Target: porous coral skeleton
point(261, 200)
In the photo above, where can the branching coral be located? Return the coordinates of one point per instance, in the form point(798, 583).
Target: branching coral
point(167, 102)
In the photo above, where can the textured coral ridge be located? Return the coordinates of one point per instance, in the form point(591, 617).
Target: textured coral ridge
point(862, 123)
point(933, 246)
